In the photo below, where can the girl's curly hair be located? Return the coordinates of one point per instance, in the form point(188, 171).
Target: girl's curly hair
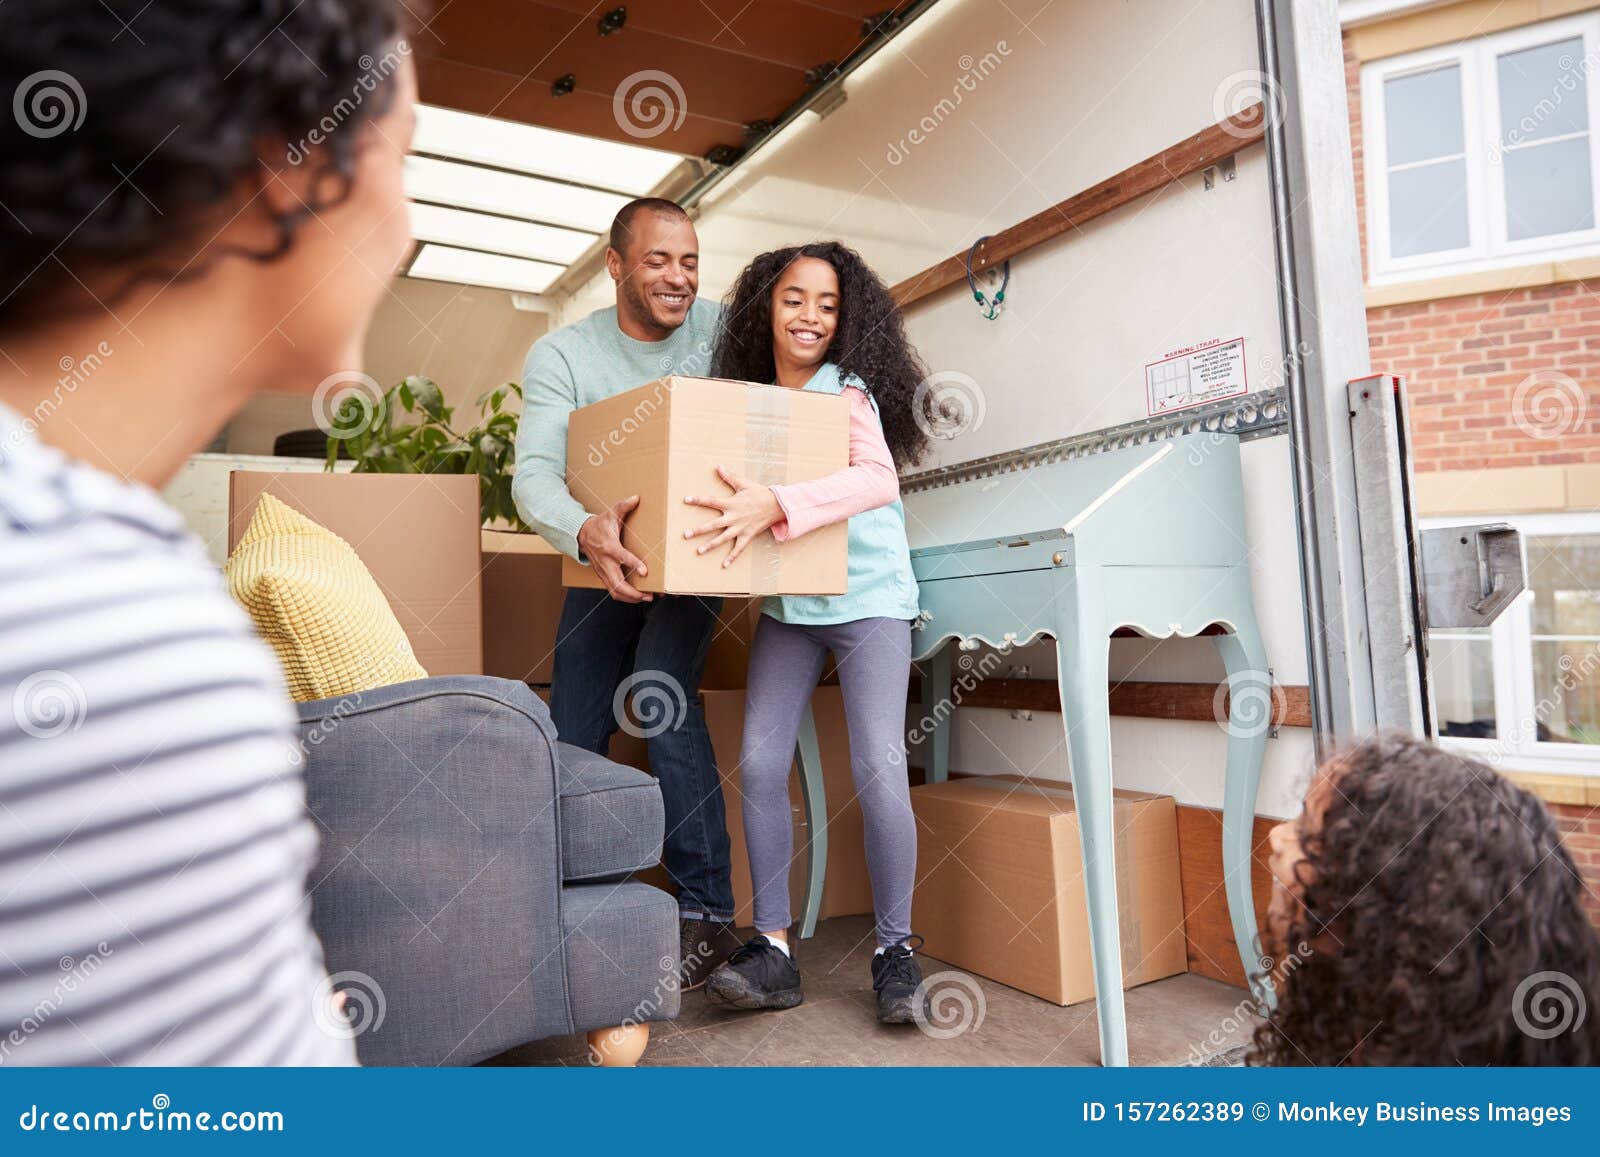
point(869, 341)
point(1444, 921)
point(136, 124)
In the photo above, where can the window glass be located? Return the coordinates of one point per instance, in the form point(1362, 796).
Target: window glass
point(1422, 116)
point(1461, 670)
point(1543, 92)
point(1548, 189)
point(1544, 136)
point(1564, 575)
point(1428, 208)
point(1566, 691)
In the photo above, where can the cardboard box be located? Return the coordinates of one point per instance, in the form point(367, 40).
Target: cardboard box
point(664, 440)
point(1000, 888)
point(847, 890)
point(417, 533)
point(522, 597)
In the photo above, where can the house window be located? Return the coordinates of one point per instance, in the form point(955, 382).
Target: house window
point(1480, 154)
point(1525, 693)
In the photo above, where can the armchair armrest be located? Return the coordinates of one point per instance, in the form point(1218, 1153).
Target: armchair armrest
point(439, 875)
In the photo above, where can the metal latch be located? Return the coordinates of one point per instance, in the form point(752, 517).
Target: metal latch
point(1471, 574)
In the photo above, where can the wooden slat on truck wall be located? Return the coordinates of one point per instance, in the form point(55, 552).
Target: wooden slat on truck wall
point(1204, 149)
point(1291, 706)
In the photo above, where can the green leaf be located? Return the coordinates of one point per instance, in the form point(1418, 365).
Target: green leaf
point(428, 395)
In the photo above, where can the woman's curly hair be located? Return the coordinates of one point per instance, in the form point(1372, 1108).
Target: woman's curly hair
point(135, 125)
point(1444, 920)
point(869, 341)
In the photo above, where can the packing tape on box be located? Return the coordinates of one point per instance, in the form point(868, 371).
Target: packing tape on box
point(766, 457)
point(1130, 928)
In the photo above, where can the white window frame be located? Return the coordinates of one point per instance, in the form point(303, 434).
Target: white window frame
point(1487, 245)
point(1515, 746)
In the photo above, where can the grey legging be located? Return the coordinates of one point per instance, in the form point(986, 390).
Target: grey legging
point(874, 661)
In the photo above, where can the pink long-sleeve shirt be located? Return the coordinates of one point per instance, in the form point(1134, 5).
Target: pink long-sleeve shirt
point(867, 483)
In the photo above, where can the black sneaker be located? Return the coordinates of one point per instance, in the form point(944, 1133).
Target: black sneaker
point(758, 975)
point(897, 979)
point(702, 945)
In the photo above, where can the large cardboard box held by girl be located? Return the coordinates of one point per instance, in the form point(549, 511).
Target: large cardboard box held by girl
point(1001, 884)
point(665, 439)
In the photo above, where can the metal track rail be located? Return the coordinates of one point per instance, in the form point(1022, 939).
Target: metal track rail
point(1258, 415)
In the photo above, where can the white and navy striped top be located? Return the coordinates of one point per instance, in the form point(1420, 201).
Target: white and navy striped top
point(154, 843)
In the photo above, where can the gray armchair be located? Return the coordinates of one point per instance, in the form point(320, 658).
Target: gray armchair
point(473, 887)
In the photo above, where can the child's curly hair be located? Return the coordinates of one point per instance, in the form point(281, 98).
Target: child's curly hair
point(869, 342)
point(1445, 921)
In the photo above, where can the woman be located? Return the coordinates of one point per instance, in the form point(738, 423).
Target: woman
point(1441, 920)
point(202, 200)
point(816, 318)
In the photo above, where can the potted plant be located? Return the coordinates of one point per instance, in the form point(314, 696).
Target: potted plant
point(408, 431)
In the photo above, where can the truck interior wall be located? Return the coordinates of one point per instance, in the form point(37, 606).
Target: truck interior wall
point(1015, 108)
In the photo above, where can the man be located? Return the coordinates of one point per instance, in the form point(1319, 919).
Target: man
point(620, 635)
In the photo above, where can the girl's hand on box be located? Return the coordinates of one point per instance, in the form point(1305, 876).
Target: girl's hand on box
point(749, 511)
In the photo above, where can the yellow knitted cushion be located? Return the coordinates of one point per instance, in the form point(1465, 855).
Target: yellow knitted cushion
point(314, 600)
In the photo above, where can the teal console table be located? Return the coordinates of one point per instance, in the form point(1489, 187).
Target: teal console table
point(1148, 538)
point(1077, 546)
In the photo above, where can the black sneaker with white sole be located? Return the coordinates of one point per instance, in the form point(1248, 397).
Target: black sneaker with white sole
point(897, 979)
point(702, 945)
point(758, 975)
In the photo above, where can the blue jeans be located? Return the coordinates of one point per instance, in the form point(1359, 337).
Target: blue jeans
point(659, 650)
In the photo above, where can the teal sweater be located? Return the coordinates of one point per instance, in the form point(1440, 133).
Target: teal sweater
point(573, 367)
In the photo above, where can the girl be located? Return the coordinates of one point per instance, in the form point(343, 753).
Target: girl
point(1428, 915)
point(816, 318)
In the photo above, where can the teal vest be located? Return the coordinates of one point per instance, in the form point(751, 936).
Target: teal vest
point(880, 581)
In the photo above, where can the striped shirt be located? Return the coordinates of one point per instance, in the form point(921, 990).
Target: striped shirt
point(154, 843)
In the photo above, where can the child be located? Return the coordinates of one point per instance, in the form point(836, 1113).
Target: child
point(816, 318)
point(1431, 917)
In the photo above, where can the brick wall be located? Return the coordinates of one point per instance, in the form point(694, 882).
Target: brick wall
point(1465, 361)
point(1580, 832)
point(1479, 369)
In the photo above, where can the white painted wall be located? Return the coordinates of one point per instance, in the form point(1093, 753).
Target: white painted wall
point(1041, 100)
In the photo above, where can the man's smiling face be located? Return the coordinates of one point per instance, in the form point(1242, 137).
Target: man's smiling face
point(659, 275)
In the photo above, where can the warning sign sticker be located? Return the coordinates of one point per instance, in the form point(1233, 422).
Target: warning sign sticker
point(1195, 375)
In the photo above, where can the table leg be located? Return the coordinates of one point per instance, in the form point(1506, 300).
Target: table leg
point(1083, 652)
point(815, 800)
point(1249, 722)
point(937, 708)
